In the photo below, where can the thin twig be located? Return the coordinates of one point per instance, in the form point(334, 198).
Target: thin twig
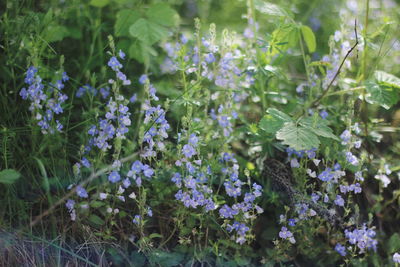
point(73, 190)
point(317, 100)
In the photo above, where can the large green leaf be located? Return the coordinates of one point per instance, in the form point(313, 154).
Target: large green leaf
point(318, 126)
point(147, 31)
point(273, 121)
point(309, 38)
point(9, 176)
point(385, 96)
point(297, 137)
point(163, 14)
point(387, 79)
point(125, 18)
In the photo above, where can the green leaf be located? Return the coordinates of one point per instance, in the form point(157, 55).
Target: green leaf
point(125, 18)
point(162, 14)
point(309, 38)
point(9, 176)
point(297, 137)
point(385, 96)
point(96, 220)
point(54, 33)
point(96, 204)
point(273, 121)
point(99, 3)
point(270, 8)
point(394, 243)
point(155, 235)
point(279, 115)
point(166, 258)
point(387, 79)
point(284, 37)
point(318, 126)
point(147, 31)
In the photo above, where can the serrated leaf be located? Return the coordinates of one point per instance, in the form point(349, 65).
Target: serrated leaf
point(162, 14)
point(147, 31)
point(385, 96)
point(319, 127)
point(125, 18)
point(386, 78)
point(270, 124)
point(279, 115)
point(273, 121)
point(309, 38)
point(297, 137)
point(9, 176)
point(270, 8)
point(99, 3)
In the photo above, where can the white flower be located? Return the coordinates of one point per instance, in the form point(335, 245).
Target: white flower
point(383, 178)
point(396, 257)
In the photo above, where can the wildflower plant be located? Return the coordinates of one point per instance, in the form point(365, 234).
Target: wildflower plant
point(171, 150)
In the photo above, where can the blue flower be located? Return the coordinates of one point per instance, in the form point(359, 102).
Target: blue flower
point(114, 64)
point(70, 204)
point(227, 212)
point(339, 201)
point(340, 249)
point(114, 177)
point(136, 219)
point(143, 79)
point(81, 192)
point(147, 171)
point(286, 234)
point(323, 114)
point(121, 54)
point(188, 151)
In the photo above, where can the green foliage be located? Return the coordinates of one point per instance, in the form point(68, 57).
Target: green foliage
point(9, 176)
point(297, 136)
point(309, 38)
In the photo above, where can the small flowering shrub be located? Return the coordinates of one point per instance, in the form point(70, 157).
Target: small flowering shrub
point(270, 143)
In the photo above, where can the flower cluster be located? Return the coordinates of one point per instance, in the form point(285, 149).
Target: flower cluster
point(193, 182)
point(45, 100)
point(363, 238)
